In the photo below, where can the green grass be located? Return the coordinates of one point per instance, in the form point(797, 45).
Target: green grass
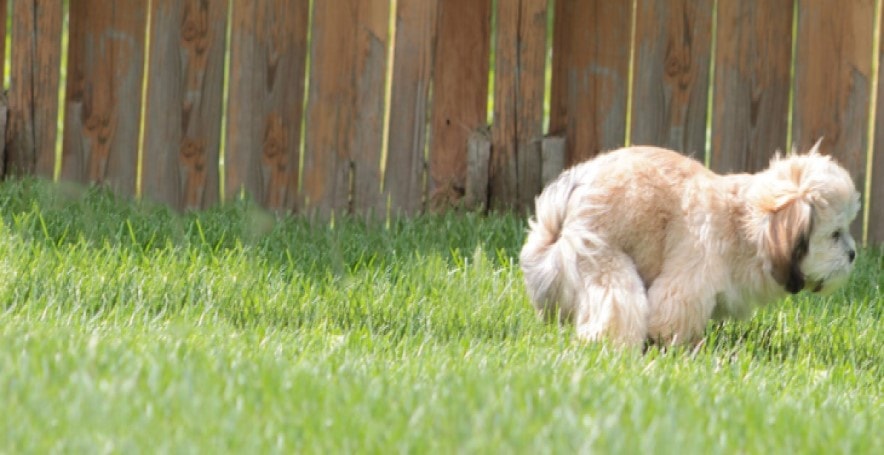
point(127, 328)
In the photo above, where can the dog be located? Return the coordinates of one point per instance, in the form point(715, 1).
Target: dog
point(645, 245)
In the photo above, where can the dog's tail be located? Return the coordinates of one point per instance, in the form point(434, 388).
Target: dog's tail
point(552, 251)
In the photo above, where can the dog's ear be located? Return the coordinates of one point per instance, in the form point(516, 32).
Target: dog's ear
point(785, 239)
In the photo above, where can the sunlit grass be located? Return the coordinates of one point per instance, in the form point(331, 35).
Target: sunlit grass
point(127, 327)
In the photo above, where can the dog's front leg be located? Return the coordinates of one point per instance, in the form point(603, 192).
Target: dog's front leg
point(679, 308)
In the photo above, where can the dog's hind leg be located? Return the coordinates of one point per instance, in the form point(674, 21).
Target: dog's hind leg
point(612, 303)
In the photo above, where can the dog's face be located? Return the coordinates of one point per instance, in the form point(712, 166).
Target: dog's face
point(809, 202)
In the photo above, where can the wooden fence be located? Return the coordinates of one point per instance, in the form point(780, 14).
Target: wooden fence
point(381, 106)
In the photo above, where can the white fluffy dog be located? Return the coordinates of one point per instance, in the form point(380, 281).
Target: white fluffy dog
point(643, 244)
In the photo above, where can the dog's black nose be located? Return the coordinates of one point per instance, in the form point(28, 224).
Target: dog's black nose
point(852, 255)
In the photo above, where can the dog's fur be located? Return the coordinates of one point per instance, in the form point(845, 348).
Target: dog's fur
point(644, 244)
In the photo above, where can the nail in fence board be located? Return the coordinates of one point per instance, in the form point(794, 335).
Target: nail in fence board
point(751, 100)
point(184, 94)
point(33, 90)
point(404, 178)
point(590, 75)
point(517, 130)
point(460, 93)
point(267, 64)
point(671, 76)
point(833, 72)
point(103, 101)
point(345, 109)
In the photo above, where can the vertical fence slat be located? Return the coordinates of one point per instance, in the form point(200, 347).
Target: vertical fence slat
point(103, 104)
point(183, 115)
point(875, 200)
point(345, 107)
point(590, 75)
point(518, 102)
point(671, 75)
point(409, 104)
point(460, 93)
point(751, 99)
point(3, 12)
point(833, 71)
point(370, 71)
point(268, 51)
point(33, 91)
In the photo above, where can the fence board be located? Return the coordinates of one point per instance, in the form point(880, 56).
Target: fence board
point(3, 12)
point(267, 65)
point(518, 103)
point(33, 91)
point(409, 104)
point(833, 81)
point(875, 200)
point(345, 110)
point(184, 93)
point(460, 93)
point(590, 75)
point(751, 110)
point(103, 101)
point(671, 75)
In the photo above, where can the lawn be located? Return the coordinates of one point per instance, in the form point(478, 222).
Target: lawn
point(127, 328)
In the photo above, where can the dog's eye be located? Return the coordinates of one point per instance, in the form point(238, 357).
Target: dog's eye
point(836, 235)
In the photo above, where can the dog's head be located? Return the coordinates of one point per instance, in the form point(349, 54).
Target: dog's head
point(806, 204)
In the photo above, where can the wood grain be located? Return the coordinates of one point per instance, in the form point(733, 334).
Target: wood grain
point(345, 109)
point(751, 99)
point(517, 130)
point(404, 179)
point(833, 81)
point(671, 75)
point(103, 100)
point(267, 65)
point(460, 93)
point(590, 75)
point(184, 94)
point(33, 91)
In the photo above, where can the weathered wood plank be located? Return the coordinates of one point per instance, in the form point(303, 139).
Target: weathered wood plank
point(345, 109)
point(671, 74)
point(833, 81)
point(404, 179)
point(370, 71)
point(184, 93)
point(103, 100)
point(518, 103)
point(33, 91)
point(3, 12)
point(460, 93)
point(268, 58)
point(590, 75)
point(875, 199)
point(751, 100)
